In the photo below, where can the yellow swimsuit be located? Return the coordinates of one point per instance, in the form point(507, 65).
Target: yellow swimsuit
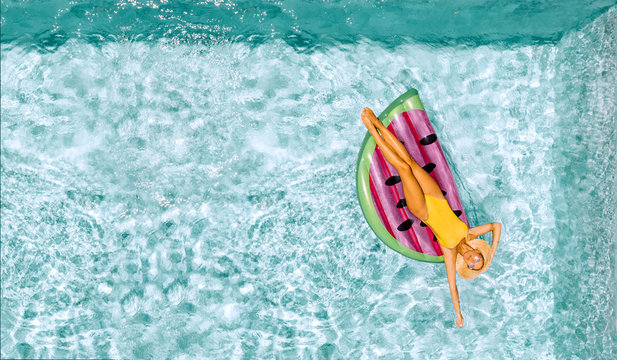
point(444, 223)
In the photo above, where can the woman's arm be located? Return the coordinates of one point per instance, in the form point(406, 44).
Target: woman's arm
point(483, 229)
point(449, 257)
point(496, 236)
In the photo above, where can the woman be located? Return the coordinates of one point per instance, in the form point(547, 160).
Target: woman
point(461, 250)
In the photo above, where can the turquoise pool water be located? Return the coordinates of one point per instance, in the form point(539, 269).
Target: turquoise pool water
point(178, 179)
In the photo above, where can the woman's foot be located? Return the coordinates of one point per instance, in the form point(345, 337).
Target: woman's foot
point(366, 118)
point(371, 115)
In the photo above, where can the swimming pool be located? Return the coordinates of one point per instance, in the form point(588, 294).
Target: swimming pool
point(178, 179)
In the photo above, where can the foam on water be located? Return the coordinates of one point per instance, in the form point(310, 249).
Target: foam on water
point(174, 201)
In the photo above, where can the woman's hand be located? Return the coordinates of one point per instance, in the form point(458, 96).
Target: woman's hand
point(459, 320)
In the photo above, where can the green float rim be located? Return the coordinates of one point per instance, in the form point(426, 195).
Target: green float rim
point(408, 101)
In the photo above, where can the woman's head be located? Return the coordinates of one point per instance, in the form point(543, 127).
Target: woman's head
point(472, 262)
point(474, 259)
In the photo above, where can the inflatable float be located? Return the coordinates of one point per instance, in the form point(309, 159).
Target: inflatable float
point(379, 187)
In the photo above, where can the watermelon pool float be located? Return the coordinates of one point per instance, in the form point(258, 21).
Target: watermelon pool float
point(379, 186)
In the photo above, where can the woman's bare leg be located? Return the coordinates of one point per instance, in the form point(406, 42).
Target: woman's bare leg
point(414, 196)
point(390, 139)
point(428, 184)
